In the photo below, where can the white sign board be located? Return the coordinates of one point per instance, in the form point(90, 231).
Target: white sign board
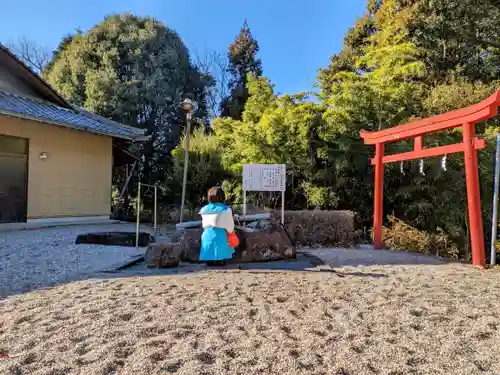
point(264, 177)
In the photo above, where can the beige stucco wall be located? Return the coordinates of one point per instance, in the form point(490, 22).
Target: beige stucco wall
point(75, 179)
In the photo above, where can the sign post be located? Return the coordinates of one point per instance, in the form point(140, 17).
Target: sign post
point(264, 177)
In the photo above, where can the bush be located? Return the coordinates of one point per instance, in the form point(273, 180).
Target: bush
point(400, 236)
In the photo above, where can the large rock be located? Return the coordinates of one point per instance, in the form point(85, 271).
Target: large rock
point(263, 240)
point(163, 255)
point(190, 244)
point(316, 227)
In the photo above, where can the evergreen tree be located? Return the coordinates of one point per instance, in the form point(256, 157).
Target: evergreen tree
point(136, 71)
point(242, 61)
point(63, 44)
point(457, 38)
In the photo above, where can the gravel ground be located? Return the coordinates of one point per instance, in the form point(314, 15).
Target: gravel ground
point(377, 319)
point(365, 255)
point(37, 258)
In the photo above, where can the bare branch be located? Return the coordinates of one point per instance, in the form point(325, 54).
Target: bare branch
point(32, 54)
point(215, 64)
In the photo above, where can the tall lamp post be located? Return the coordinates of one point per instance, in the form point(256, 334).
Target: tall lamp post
point(187, 106)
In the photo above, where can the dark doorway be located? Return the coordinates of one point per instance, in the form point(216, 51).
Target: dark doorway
point(13, 179)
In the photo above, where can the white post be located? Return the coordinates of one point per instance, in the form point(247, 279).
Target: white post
point(138, 209)
point(283, 207)
point(494, 217)
point(244, 202)
point(155, 210)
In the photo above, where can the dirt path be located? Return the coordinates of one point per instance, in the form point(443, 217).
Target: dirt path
point(391, 319)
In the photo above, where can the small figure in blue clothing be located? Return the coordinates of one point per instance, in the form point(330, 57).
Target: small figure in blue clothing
point(217, 221)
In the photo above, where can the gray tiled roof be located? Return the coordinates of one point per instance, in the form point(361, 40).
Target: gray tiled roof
point(18, 106)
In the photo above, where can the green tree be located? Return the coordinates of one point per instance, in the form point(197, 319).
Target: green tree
point(382, 89)
point(415, 61)
point(283, 130)
point(355, 40)
point(63, 44)
point(457, 37)
point(243, 60)
point(136, 71)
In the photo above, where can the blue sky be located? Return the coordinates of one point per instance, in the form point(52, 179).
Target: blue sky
point(295, 37)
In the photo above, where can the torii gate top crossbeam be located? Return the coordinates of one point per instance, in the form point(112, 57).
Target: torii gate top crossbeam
point(484, 110)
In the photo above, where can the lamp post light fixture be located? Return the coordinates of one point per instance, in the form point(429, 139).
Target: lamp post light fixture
point(187, 106)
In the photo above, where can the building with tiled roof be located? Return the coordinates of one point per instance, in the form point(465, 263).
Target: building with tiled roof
point(56, 159)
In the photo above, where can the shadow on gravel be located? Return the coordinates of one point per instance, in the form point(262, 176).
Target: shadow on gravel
point(303, 263)
point(366, 256)
point(308, 260)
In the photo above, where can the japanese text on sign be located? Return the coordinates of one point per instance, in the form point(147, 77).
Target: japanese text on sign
point(264, 177)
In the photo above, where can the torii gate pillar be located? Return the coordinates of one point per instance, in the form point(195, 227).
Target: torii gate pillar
point(473, 196)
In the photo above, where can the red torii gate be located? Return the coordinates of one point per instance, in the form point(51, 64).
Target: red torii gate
point(466, 118)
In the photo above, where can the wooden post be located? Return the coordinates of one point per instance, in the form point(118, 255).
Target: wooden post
point(244, 202)
point(138, 218)
point(155, 210)
point(473, 196)
point(378, 205)
point(283, 207)
point(129, 176)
